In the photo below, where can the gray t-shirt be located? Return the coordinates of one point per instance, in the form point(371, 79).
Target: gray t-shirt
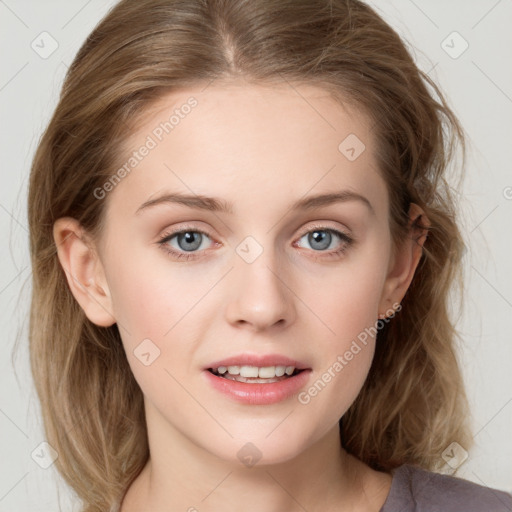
point(417, 490)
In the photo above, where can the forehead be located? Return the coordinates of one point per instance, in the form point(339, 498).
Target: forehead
point(247, 143)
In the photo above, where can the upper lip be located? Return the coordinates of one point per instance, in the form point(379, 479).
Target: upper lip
point(260, 360)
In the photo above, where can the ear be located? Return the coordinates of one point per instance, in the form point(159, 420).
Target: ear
point(84, 271)
point(405, 260)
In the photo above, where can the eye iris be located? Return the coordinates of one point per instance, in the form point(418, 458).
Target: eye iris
point(189, 237)
point(319, 236)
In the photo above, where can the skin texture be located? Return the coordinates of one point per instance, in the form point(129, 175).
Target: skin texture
point(261, 148)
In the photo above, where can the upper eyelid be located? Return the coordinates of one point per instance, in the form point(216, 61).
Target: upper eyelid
point(318, 225)
point(321, 226)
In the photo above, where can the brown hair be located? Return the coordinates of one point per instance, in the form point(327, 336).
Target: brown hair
point(412, 405)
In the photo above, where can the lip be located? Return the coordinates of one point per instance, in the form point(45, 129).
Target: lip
point(260, 360)
point(258, 394)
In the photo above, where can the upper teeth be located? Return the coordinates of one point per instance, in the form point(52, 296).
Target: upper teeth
point(266, 372)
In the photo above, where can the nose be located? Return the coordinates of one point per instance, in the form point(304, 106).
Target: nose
point(261, 297)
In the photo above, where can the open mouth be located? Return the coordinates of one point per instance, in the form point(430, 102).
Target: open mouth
point(255, 375)
point(257, 385)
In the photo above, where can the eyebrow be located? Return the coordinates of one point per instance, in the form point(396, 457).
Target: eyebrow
point(213, 204)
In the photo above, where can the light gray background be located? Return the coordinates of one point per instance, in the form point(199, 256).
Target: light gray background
point(478, 84)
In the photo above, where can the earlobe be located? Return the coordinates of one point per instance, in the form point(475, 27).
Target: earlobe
point(84, 271)
point(405, 261)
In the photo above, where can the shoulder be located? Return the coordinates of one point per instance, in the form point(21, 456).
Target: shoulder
point(416, 490)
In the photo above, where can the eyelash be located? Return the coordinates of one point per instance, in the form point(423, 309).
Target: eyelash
point(347, 241)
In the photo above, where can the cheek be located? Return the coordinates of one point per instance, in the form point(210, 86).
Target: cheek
point(157, 307)
point(344, 355)
point(148, 298)
point(346, 303)
point(346, 299)
point(154, 330)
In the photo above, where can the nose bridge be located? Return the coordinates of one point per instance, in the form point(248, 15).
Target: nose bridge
point(260, 295)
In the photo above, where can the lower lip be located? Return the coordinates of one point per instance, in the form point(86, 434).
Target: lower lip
point(259, 394)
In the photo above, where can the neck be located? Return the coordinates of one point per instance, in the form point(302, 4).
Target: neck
point(182, 476)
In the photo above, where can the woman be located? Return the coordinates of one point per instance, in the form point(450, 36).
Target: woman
point(242, 248)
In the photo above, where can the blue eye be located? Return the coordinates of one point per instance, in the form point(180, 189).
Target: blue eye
point(321, 238)
point(188, 242)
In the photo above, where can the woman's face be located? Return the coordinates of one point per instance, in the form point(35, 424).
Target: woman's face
point(256, 276)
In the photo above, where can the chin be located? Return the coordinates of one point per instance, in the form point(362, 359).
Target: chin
point(261, 450)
